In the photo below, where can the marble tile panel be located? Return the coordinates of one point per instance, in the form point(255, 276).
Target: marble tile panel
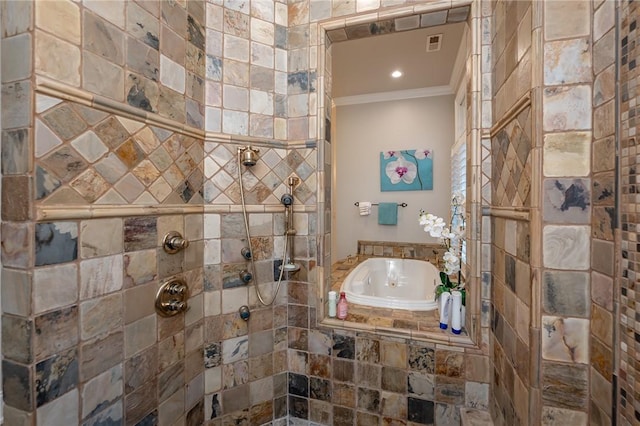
point(142, 92)
point(15, 151)
point(111, 132)
point(62, 411)
point(54, 287)
point(141, 402)
point(48, 51)
point(236, 399)
point(319, 365)
point(421, 384)
point(15, 199)
point(565, 386)
point(103, 39)
point(393, 354)
point(90, 185)
point(564, 20)
point(100, 316)
point(567, 61)
point(129, 187)
point(449, 390)
point(19, 67)
point(140, 233)
point(170, 381)
point(55, 242)
point(99, 237)
point(565, 108)
point(103, 390)
point(113, 11)
point(61, 19)
point(143, 59)
point(566, 247)
point(602, 290)
point(143, 25)
point(16, 17)
point(393, 405)
point(171, 104)
point(139, 335)
point(100, 354)
point(195, 32)
point(17, 382)
point(100, 276)
point(139, 267)
point(604, 86)
point(394, 380)
point(420, 411)
point(16, 105)
point(553, 416)
point(140, 369)
point(110, 415)
point(139, 302)
point(17, 243)
point(343, 346)
point(565, 339)
point(16, 292)
point(54, 332)
point(601, 358)
point(567, 200)
point(602, 256)
point(566, 293)
point(604, 52)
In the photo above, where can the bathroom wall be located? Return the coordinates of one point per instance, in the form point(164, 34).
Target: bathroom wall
point(552, 255)
point(102, 154)
point(347, 377)
point(363, 131)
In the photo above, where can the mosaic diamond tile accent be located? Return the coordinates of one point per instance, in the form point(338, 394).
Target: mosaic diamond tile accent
point(108, 159)
point(511, 168)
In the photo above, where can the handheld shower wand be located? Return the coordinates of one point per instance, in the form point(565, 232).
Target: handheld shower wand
point(248, 156)
point(289, 232)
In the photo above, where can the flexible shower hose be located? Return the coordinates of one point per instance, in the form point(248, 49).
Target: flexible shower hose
point(246, 228)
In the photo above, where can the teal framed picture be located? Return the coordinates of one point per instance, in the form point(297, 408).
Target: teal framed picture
point(406, 170)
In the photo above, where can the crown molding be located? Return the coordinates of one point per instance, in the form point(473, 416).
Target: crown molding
point(393, 96)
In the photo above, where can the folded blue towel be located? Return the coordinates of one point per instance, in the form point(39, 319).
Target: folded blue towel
point(388, 213)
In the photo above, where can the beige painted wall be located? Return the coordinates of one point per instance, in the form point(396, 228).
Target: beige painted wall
point(361, 133)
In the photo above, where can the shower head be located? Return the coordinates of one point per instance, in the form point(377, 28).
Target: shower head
point(248, 155)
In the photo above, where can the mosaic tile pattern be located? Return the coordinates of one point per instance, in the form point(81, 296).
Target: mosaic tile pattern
point(85, 156)
point(627, 346)
point(511, 163)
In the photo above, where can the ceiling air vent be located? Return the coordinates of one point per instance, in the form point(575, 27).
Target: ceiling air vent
point(434, 42)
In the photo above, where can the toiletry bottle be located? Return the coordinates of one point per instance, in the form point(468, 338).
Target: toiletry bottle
point(342, 306)
point(445, 299)
point(332, 303)
point(456, 312)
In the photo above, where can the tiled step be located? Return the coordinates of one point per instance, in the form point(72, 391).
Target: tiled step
point(471, 417)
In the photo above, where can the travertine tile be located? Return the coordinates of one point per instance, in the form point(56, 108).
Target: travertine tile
point(54, 287)
point(100, 316)
point(48, 52)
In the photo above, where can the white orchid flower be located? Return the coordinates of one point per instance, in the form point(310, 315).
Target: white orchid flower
point(401, 170)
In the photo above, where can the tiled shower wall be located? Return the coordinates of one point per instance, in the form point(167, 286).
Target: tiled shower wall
point(511, 193)
point(82, 342)
point(564, 320)
point(140, 83)
point(627, 333)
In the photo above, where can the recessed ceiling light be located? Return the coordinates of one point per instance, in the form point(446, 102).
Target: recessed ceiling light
point(396, 74)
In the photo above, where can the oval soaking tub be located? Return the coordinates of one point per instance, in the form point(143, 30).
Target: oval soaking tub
point(384, 282)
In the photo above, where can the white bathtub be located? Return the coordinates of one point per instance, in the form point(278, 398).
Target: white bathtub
point(393, 283)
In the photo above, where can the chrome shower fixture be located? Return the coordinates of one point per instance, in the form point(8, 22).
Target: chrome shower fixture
point(248, 155)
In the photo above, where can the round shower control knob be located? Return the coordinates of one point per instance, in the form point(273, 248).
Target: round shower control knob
point(173, 242)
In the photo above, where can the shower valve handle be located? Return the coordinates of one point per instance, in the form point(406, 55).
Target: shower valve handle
point(173, 242)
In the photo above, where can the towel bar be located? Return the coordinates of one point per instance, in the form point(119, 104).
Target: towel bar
point(357, 203)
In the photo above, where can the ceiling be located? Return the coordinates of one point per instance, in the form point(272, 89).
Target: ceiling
point(363, 66)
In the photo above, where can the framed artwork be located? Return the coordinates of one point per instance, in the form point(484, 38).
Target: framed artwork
point(406, 170)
